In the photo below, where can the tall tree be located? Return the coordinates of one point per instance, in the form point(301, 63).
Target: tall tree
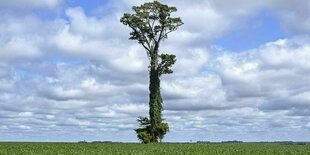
point(151, 23)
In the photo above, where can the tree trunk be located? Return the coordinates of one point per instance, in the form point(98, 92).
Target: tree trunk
point(155, 103)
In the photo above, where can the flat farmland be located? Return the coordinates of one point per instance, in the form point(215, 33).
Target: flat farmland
point(27, 148)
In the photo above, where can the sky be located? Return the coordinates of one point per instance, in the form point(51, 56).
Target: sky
point(68, 71)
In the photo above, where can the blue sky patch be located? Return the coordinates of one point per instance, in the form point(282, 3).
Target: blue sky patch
point(257, 31)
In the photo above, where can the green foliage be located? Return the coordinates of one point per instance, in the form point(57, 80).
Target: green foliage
point(151, 23)
point(154, 149)
point(144, 132)
point(144, 136)
point(167, 60)
point(144, 121)
point(162, 129)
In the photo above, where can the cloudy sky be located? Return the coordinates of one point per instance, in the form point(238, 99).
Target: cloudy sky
point(68, 71)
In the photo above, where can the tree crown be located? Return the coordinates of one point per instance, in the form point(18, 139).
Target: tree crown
point(151, 23)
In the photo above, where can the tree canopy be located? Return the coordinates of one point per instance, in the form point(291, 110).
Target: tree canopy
point(150, 24)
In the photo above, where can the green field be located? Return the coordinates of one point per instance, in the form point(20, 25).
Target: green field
point(14, 148)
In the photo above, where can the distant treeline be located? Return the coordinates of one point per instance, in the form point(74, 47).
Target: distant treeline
point(233, 141)
point(98, 142)
point(279, 142)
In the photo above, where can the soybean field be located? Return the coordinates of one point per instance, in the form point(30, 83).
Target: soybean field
point(25, 148)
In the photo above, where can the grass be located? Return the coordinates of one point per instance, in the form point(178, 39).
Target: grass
point(23, 148)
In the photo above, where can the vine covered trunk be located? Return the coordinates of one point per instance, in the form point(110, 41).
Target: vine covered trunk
point(155, 102)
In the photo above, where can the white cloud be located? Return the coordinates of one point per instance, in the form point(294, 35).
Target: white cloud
point(28, 4)
point(12, 49)
point(81, 24)
point(204, 19)
point(277, 74)
point(293, 15)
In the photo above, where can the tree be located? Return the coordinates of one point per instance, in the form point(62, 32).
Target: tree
point(151, 23)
